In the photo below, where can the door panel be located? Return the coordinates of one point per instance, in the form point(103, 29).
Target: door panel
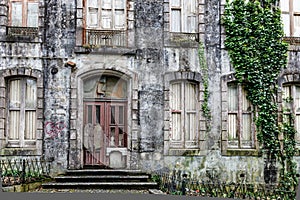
point(104, 126)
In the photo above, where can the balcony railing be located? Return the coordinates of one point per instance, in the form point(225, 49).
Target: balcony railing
point(111, 38)
point(22, 31)
point(185, 37)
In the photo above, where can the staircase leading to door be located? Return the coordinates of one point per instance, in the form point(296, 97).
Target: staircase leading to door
point(102, 179)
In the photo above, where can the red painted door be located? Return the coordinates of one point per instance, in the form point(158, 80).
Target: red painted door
point(104, 126)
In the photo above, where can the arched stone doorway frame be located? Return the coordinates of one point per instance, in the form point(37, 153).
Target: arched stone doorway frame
point(76, 111)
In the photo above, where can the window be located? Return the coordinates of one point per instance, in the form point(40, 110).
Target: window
point(106, 14)
point(22, 104)
point(23, 13)
point(184, 114)
point(240, 119)
point(291, 17)
point(183, 16)
point(291, 107)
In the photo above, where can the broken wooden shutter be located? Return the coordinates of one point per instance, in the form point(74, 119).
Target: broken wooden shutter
point(106, 14)
point(16, 14)
point(92, 14)
point(32, 14)
point(175, 21)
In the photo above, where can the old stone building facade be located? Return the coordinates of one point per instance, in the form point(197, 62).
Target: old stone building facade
point(119, 83)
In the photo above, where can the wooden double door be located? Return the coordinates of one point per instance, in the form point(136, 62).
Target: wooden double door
point(105, 125)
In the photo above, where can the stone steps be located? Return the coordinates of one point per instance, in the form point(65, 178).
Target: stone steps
point(102, 179)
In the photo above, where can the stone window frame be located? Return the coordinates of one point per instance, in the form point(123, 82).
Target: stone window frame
point(183, 19)
point(175, 77)
point(24, 17)
point(179, 38)
point(287, 78)
point(100, 9)
point(124, 37)
point(38, 76)
point(21, 34)
point(226, 149)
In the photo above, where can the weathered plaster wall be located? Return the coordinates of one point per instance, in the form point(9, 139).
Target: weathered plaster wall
point(58, 47)
point(150, 69)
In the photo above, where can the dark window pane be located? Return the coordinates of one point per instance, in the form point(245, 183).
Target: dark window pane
point(89, 114)
point(98, 116)
point(112, 115)
point(121, 115)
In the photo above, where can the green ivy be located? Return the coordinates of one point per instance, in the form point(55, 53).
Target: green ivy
point(254, 35)
point(205, 107)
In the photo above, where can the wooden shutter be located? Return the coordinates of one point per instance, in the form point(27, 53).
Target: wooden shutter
point(32, 14)
point(285, 9)
point(296, 7)
point(232, 111)
point(176, 113)
point(190, 104)
point(14, 112)
point(297, 113)
point(16, 14)
point(30, 109)
point(119, 14)
point(175, 16)
point(92, 14)
point(246, 133)
point(106, 14)
point(22, 112)
point(189, 16)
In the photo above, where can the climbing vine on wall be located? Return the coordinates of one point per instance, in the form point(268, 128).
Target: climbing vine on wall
point(254, 35)
point(205, 107)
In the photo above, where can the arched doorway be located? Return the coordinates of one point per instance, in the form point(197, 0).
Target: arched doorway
point(104, 120)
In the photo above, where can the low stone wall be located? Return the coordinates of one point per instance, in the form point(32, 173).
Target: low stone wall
point(23, 187)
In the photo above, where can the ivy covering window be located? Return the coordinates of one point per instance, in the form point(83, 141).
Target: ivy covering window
point(22, 103)
point(183, 16)
point(291, 107)
point(291, 17)
point(23, 13)
point(184, 114)
point(240, 119)
point(106, 14)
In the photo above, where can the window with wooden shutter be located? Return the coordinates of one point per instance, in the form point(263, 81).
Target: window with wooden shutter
point(240, 120)
point(22, 103)
point(92, 13)
point(23, 13)
point(291, 107)
point(183, 16)
point(184, 112)
point(290, 10)
point(106, 14)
